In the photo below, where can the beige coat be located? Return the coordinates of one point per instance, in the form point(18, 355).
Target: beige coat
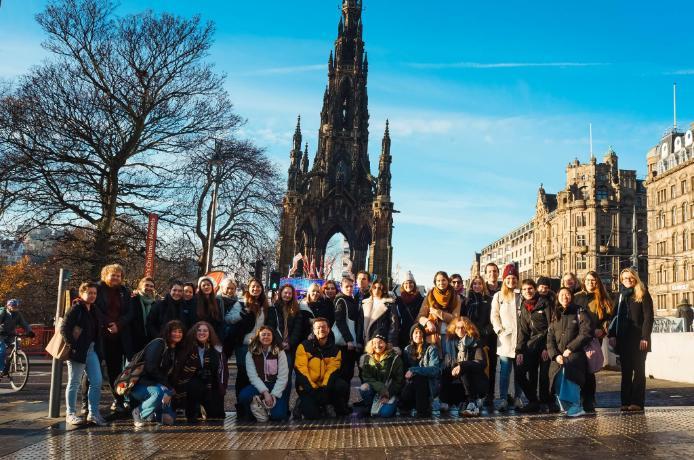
point(504, 319)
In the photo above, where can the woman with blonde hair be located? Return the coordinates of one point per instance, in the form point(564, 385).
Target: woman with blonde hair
point(504, 316)
point(630, 337)
point(268, 373)
point(570, 280)
point(598, 304)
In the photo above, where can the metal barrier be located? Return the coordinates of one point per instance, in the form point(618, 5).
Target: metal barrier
point(36, 346)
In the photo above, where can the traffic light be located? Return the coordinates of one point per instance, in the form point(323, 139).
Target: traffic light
point(274, 280)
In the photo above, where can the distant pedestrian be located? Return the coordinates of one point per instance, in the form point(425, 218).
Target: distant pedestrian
point(10, 318)
point(630, 337)
point(684, 310)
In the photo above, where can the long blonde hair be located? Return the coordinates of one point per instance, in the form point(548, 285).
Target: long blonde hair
point(640, 290)
point(507, 293)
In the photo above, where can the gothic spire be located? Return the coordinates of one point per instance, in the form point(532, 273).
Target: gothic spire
point(297, 134)
point(384, 176)
point(304, 160)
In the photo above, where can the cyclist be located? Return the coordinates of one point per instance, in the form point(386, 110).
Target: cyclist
point(10, 318)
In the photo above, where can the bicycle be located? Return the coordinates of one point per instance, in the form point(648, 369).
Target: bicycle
point(16, 366)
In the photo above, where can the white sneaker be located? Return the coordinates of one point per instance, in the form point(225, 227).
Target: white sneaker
point(471, 410)
point(72, 419)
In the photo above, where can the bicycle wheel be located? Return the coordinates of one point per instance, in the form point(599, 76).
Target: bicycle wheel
point(19, 371)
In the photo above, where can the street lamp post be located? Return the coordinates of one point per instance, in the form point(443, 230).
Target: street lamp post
point(215, 164)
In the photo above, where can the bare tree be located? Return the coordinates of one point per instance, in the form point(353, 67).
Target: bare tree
point(94, 132)
point(249, 196)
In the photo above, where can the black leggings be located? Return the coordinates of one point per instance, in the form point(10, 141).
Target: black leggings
point(198, 394)
point(416, 394)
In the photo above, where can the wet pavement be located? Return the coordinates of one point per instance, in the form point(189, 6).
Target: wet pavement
point(664, 430)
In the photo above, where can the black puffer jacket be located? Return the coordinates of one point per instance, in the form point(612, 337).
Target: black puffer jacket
point(407, 315)
point(533, 326)
point(572, 330)
point(164, 311)
point(160, 364)
point(90, 331)
point(124, 319)
point(479, 309)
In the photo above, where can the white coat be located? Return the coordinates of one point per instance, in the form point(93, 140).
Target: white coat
point(504, 318)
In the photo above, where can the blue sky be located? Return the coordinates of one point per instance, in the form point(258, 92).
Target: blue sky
point(486, 100)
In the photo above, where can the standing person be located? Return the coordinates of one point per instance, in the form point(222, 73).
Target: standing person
point(505, 307)
point(568, 334)
point(684, 310)
point(82, 331)
point(570, 280)
point(114, 304)
point(379, 316)
point(201, 374)
point(471, 365)
point(190, 304)
point(285, 319)
point(491, 273)
point(597, 303)
point(544, 289)
point(142, 303)
point(363, 285)
point(439, 308)
point(315, 305)
point(630, 337)
point(329, 291)
point(478, 309)
point(318, 380)
point(531, 347)
point(168, 309)
point(10, 318)
point(268, 373)
point(347, 329)
point(382, 377)
point(422, 372)
point(407, 306)
point(208, 307)
point(155, 388)
point(248, 317)
point(459, 287)
point(227, 296)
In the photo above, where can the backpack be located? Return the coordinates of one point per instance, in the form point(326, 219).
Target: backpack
point(132, 372)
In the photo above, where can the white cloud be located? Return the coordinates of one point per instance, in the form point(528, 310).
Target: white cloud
point(499, 65)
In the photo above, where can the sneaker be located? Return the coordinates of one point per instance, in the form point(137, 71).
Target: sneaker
point(167, 419)
point(96, 419)
point(471, 410)
point(503, 406)
point(454, 410)
point(72, 419)
point(137, 420)
point(518, 403)
point(575, 411)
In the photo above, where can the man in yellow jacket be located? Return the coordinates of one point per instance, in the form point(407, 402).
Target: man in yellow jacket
point(318, 382)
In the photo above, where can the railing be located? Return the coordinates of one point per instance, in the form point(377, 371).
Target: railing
point(36, 346)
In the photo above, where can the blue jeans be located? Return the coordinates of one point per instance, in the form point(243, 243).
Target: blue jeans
point(92, 366)
point(3, 354)
point(386, 411)
point(149, 398)
point(505, 368)
point(278, 412)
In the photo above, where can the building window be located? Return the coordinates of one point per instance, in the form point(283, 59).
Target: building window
point(685, 241)
point(674, 272)
point(673, 216)
point(673, 191)
point(684, 212)
point(659, 276)
point(674, 243)
point(580, 240)
point(581, 262)
point(683, 187)
point(601, 193)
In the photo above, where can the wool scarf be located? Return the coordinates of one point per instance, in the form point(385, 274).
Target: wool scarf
point(407, 297)
point(443, 300)
point(530, 304)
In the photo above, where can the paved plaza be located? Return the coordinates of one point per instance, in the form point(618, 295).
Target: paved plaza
point(664, 430)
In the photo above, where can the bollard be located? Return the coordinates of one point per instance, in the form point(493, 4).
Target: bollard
point(57, 365)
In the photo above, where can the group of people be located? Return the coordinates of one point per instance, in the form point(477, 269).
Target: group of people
point(414, 353)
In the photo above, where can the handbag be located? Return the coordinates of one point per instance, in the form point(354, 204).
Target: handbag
point(57, 347)
point(259, 410)
point(339, 339)
point(131, 373)
point(596, 358)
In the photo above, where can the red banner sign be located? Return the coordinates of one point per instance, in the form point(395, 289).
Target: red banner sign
point(151, 244)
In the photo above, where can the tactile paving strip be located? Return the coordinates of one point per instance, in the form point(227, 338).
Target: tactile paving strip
point(121, 440)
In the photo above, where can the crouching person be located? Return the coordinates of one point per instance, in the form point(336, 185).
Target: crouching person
point(153, 391)
point(318, 382)
point(382, 377)
point(422, 376)
point(268, 372)
point(202, 377)
point(471, 367)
